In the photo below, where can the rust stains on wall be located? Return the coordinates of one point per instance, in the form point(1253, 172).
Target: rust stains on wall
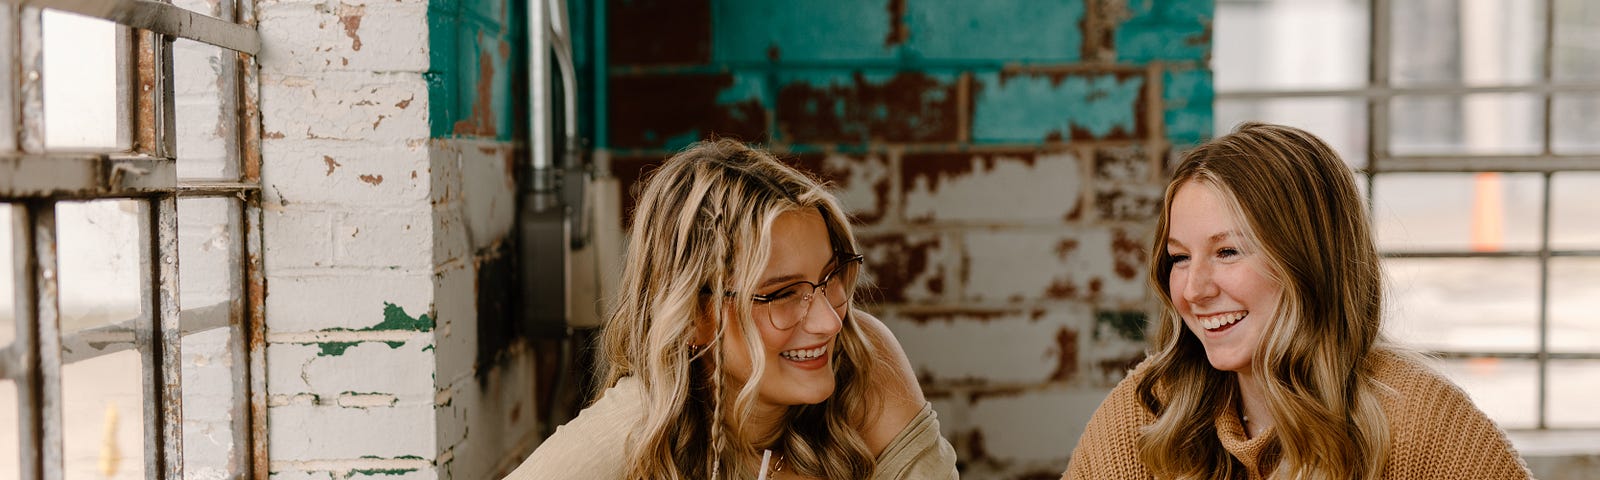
point(654, 111)
point(482, 121)
point(899, 262)
point(350, 17)
point(907, 107)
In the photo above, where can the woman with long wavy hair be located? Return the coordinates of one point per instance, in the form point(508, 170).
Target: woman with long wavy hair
point(735, 350)
point(1268, 360)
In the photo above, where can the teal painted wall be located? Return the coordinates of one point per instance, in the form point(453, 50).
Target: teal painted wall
point(475, 50)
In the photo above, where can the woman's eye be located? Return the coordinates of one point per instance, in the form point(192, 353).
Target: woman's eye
point(1178, 257)
point(1227, 252)
point(780, 295)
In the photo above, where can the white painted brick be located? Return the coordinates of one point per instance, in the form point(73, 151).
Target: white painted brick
point(1035, 426)
point(295, 237)
point(351, 301)
point(387, 239)
point(457, 335)
point(405, 371)
point(1082, 264)
point(303, 37)
point(862, 184)
point(954, 415)
point(912, 267)
point(451, 239)
point(345, 174)
point(489, 191)
point(998, 188)
point(300, 475)
point(959, 346)
point(384, 108)
point(315, 432)
point(498, 417)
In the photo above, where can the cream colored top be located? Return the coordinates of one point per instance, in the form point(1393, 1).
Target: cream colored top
point(1435, 432)
point(591, 446)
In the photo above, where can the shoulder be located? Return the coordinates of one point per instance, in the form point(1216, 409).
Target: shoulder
point(602, 427)
point(894, 383)
point(1435, 429)
point(918, 452)
point(1109, 445)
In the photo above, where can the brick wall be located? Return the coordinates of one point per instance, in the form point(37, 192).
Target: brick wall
point(389, 202)
point(1004, 161)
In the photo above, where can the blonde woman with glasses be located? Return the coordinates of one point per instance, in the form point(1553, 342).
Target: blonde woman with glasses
point(1268, 360)
point(735, 350)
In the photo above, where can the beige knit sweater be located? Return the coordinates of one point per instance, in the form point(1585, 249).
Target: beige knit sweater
point(1436, 432)
point(590, 447)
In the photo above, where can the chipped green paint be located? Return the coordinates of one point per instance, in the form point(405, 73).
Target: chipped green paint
point(369, 472)
point(394, 319)
point(1127, 324)
point(333, 349)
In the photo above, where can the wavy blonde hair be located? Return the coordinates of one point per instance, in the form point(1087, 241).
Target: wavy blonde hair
point(1299, 207)
point(704, 224)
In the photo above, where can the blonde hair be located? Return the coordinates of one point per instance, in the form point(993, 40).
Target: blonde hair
point(1299, 207)
point(703, 227)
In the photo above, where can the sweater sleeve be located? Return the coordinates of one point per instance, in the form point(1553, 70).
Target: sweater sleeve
point(590, 446)
point(1440, 434)
point(1108, 448)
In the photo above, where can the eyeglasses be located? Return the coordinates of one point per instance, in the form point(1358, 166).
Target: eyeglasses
point(787, 306)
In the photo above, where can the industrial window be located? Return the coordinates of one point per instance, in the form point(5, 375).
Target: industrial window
point(130, 307)
point(1473, 124)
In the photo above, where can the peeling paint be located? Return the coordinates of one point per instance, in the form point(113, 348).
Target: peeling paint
point(350, 16)
point(1129, 325)
point(1033, 107)
point(332, 164)
point(371, 179)
point(857, 107)
point(670, 111)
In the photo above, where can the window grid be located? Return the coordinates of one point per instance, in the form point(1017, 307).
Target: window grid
point(1377, 95)
point(39, 179)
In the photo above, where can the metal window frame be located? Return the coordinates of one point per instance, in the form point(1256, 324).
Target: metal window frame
point(33, 180)
point(1377, 95)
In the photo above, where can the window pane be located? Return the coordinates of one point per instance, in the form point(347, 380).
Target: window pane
point(1574, 207)
point(102, 418)
point(1484, 42)
point(1574, 385)
point(209, 282)
point(80, 82)
point(1575, 304)
point(1577, 38)
point(1464, 304)
point(10, 459)
point(98, 247)
point(1342, 122)
point(1504, 389)
point(1574, 117)
point(1482, 212)
point(204, 126)
point(1498, 123)
point(1315, 44)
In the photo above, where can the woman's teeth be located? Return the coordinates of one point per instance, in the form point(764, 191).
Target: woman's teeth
point(803, 355)
point(1220, 320)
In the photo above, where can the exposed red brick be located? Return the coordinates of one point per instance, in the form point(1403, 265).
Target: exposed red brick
point(1067, 354)
point(658, 32)
point(646, 110)
point(909, 107)
point(895, 261)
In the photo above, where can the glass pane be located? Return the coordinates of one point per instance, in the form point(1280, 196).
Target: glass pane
point(203, 7)
point(80, 82)
point(1315, 45)
point(1574, 206)
point(1342, 122)
point(1575, 118)
point(1574, 384)
point(1575, 304)
point(1498, 123)
point(1483, 42)
point(10, 457)
point(1481, 212)
point(209, 283)
point(1577, 37)
point(102, 418)
point(204, 127)
point(98, 247)
point(1464, 304)
point(1504, 389)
